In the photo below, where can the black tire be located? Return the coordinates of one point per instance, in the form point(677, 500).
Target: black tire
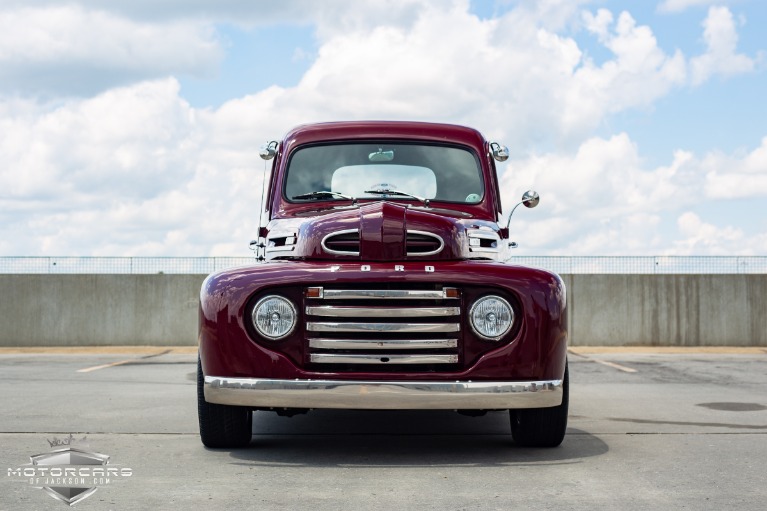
point(222, 426)
point(541, 427)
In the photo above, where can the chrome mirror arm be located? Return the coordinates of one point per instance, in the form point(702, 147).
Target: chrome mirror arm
point(530, 199)
point(508, 222)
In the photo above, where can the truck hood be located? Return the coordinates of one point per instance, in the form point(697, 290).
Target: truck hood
point(378, 231)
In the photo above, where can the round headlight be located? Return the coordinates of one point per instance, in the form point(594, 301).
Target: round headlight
point(491, 317)
point(274, 317)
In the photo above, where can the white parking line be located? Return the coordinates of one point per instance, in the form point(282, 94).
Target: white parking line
point(121, 362)
point(104, 366)
point(614, 365)
point(603, 362)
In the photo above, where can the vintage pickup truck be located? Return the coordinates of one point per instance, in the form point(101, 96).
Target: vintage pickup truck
point(382, 283)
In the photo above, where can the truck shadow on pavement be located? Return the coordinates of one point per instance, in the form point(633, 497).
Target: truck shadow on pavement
point(354, 438)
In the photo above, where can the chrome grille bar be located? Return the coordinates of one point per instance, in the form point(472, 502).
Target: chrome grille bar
point(327, 358)
point(381, 312)
point(388, 344)
point(385, 294)
point(383, 327)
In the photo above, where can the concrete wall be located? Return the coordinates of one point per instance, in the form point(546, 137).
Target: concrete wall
point(667, 310)
point(604, 310)
point(83, 310)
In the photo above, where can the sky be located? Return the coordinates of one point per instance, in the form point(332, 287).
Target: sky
point(132, 127)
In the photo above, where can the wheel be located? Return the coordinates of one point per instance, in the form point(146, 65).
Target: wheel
point(541, 427)
point(221, 425)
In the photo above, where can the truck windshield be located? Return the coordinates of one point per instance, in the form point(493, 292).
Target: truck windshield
point(368, 170)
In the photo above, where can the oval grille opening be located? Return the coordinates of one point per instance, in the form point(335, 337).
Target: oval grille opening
point(347, 243)
point(423, 243)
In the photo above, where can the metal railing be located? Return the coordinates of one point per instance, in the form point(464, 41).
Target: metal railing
point(134, 265)
point(559, 264)
point(646, 264)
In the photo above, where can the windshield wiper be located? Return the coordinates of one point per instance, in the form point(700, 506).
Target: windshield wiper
point(323, 194)
point(387, 191)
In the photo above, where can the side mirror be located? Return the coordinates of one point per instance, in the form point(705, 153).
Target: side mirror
point(268, 150)
point(499, 152)
point(531, 198)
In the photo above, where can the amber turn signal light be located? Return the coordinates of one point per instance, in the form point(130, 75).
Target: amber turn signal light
point(314, 292)
point(451, 292)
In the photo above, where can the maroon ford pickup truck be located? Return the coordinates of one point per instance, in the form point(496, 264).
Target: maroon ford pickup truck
point(382, 284)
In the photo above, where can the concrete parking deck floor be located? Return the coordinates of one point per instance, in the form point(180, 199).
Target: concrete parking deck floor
point(649, 429)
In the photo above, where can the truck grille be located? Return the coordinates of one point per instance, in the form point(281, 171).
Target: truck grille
point(383, 327)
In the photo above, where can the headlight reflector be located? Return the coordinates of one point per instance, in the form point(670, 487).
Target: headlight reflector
point(274, 317)
point(491, 317)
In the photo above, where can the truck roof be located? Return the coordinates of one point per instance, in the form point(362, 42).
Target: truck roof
point(410, 130)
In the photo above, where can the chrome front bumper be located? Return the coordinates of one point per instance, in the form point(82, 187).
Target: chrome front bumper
point(382, 395)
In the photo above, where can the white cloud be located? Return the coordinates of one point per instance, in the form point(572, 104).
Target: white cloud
point(129, 139)
point(599, 23)
point(603, 178)
point(601, 200)
point(132, 171)
point(701, 238)
point(640, 73)
point(76, 51)
point(49, 48)
point(331, 14)
point(721, 43)
point(729, 177)
point(596, 201)
point(506, 68)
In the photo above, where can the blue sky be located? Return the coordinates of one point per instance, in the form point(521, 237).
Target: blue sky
point(256, 58)
point(132, 128)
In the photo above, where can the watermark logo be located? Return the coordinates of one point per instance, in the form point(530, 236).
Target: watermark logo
point(70, 471)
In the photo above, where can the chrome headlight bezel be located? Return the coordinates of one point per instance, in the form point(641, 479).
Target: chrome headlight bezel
point(486, 335)
point(290, 308)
